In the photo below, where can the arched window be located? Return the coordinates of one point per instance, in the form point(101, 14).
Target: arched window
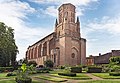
point(73, 55)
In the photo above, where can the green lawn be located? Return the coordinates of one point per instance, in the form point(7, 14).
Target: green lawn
point(101, 81)
point(106, 76)
point(4, 79)
point(49, 78)
point(3, 76)
point(7, 81)
point(80, 76)
point(13, 81)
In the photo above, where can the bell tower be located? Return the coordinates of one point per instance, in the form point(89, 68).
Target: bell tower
point(66, 13)
point(67, 30)
point(65, 24)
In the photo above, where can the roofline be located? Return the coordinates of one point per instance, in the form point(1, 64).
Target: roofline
point(41, 39)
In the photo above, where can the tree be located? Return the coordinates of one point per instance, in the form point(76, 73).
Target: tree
point(8, 48)
point(48, 63)
point(115, 63)
point(115, 60)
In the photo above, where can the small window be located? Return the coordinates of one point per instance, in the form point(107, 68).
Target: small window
point(59, 33)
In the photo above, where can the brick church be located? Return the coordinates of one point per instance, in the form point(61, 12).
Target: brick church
point(64, 46)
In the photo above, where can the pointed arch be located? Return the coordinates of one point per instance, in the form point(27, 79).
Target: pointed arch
point(74, 56)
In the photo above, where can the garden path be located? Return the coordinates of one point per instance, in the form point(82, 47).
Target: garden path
point(93, 77)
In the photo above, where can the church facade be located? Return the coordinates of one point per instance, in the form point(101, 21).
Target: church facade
point(64, 46)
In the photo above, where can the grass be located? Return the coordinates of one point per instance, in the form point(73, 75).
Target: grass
point(80, 76)
point(7, 81)
point(3, 76)
point(4, 79)
point(54, 79)
point(106, 76)
point(13, 81)
point(101, 81)
point(59, 70)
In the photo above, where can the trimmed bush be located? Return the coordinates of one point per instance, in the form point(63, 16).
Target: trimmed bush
point(114, 73)
point(62, 67)
point(10, 74)
point(94, 70)
point(43, 70)
point(67, 74)
point(32, 63)
point(49, 63)
point(6, 69)
point(76, 69)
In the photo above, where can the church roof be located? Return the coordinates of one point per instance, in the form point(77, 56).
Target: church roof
point(42, 39)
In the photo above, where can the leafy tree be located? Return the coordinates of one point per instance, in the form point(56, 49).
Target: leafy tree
point(49, 63)
point(115, 60)
point(115, 63)
point(8, 48)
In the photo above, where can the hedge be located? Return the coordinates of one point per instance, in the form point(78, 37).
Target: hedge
point(67, 74)
point(6, 69)
point(43, 70)
point(114, 73)
point(94, 70)
point(10, 74)
point(76, 69)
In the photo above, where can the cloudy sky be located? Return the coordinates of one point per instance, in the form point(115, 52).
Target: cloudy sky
point(34, 19)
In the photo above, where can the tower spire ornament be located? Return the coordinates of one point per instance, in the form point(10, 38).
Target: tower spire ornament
point(77, 20)
point(56, 23)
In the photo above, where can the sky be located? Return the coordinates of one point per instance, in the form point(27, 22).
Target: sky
point(35, 19)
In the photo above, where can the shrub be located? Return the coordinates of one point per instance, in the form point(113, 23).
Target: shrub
point(115, 68)
point(10, 74)
point(114, 73)
point(43, 70)
point(94, 70)
point(67, 74)
point(106, 68)
point(49, 63)
point(32, 63)
point(6, 69)
point(62, 67)
point(115, 60)
point(23, 73)
point(76, 69)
